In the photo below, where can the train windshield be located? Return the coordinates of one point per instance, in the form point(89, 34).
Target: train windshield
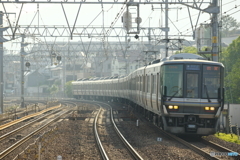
point(172, 80)
point(211, 81)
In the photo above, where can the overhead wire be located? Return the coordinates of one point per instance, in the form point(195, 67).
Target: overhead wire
point(170, 20)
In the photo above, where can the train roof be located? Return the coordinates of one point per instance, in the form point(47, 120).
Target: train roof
point(194, 62)
point(183, 58)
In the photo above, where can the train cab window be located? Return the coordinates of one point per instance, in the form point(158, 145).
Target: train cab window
point(192, 85)
point(172, 80)
point(192, 80)
point(211, 81)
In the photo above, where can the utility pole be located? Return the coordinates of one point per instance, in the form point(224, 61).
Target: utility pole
point(215, 30)
point(23, 54)
point(167, 30)
point(1, 62)
point(1, 59)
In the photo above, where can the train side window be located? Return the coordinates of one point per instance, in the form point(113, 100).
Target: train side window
point(135, 83)
point(138, 85)
point(155, 84)
point(152, 84)
point(141, 83)
point(148, 84)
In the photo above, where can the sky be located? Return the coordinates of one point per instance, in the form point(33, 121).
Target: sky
point(92, 15)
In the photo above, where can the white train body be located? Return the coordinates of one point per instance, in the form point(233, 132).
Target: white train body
point(183, 95)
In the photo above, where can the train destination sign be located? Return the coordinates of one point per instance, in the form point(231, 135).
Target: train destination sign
point(193, 67)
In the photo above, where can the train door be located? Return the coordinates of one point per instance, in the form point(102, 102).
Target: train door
point(192, 84)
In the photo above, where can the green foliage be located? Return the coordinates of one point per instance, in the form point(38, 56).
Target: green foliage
point(232, 53)
point(232, 81)
point(230, 57)
point(54, 89)
point(229, 25)
point(68, 89)
point(189, 49)
point(228, 137)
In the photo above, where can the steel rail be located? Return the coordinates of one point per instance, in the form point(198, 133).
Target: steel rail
point(99, 143)
point(24, 126)
point(6, 125)
point(133, 152)
point(20, 142)
point(192, 147)
point(218, 147)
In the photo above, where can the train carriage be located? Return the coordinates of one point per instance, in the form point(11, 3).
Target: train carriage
point(183, 93)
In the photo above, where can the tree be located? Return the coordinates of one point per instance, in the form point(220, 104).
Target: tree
point(232, 83)
point(229, 25)
point(231, 55)
point(68, 89)
point(189, 49)
point(54, 89)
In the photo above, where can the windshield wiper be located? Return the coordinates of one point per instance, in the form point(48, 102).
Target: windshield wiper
point(174, 94)
point(207, 93)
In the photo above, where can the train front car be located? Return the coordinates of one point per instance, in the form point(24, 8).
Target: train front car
point(192, 96)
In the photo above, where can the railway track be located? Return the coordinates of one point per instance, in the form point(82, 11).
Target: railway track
point(201, 147)
point(6, 125)
point(205, 148)
point(215, 150)
point(105, 156)
point(31, 108)
point(97, 138)
point(107, 133)
point(192, 147)
point(5, 153)
point(27, 125)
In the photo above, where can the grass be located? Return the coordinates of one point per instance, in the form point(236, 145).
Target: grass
point(228, 137)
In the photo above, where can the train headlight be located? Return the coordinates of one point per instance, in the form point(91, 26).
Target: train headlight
point(175, 107)
point(209, 108)
point(212, 108)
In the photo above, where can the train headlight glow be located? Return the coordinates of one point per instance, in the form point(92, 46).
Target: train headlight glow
point(175, 107)
point(212, 108)
point(207, 108)
point(170, 107)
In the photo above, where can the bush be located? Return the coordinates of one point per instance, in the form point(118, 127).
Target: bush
point(228, 137)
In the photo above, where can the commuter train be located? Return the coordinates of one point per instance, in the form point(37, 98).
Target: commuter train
point(183, 94)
